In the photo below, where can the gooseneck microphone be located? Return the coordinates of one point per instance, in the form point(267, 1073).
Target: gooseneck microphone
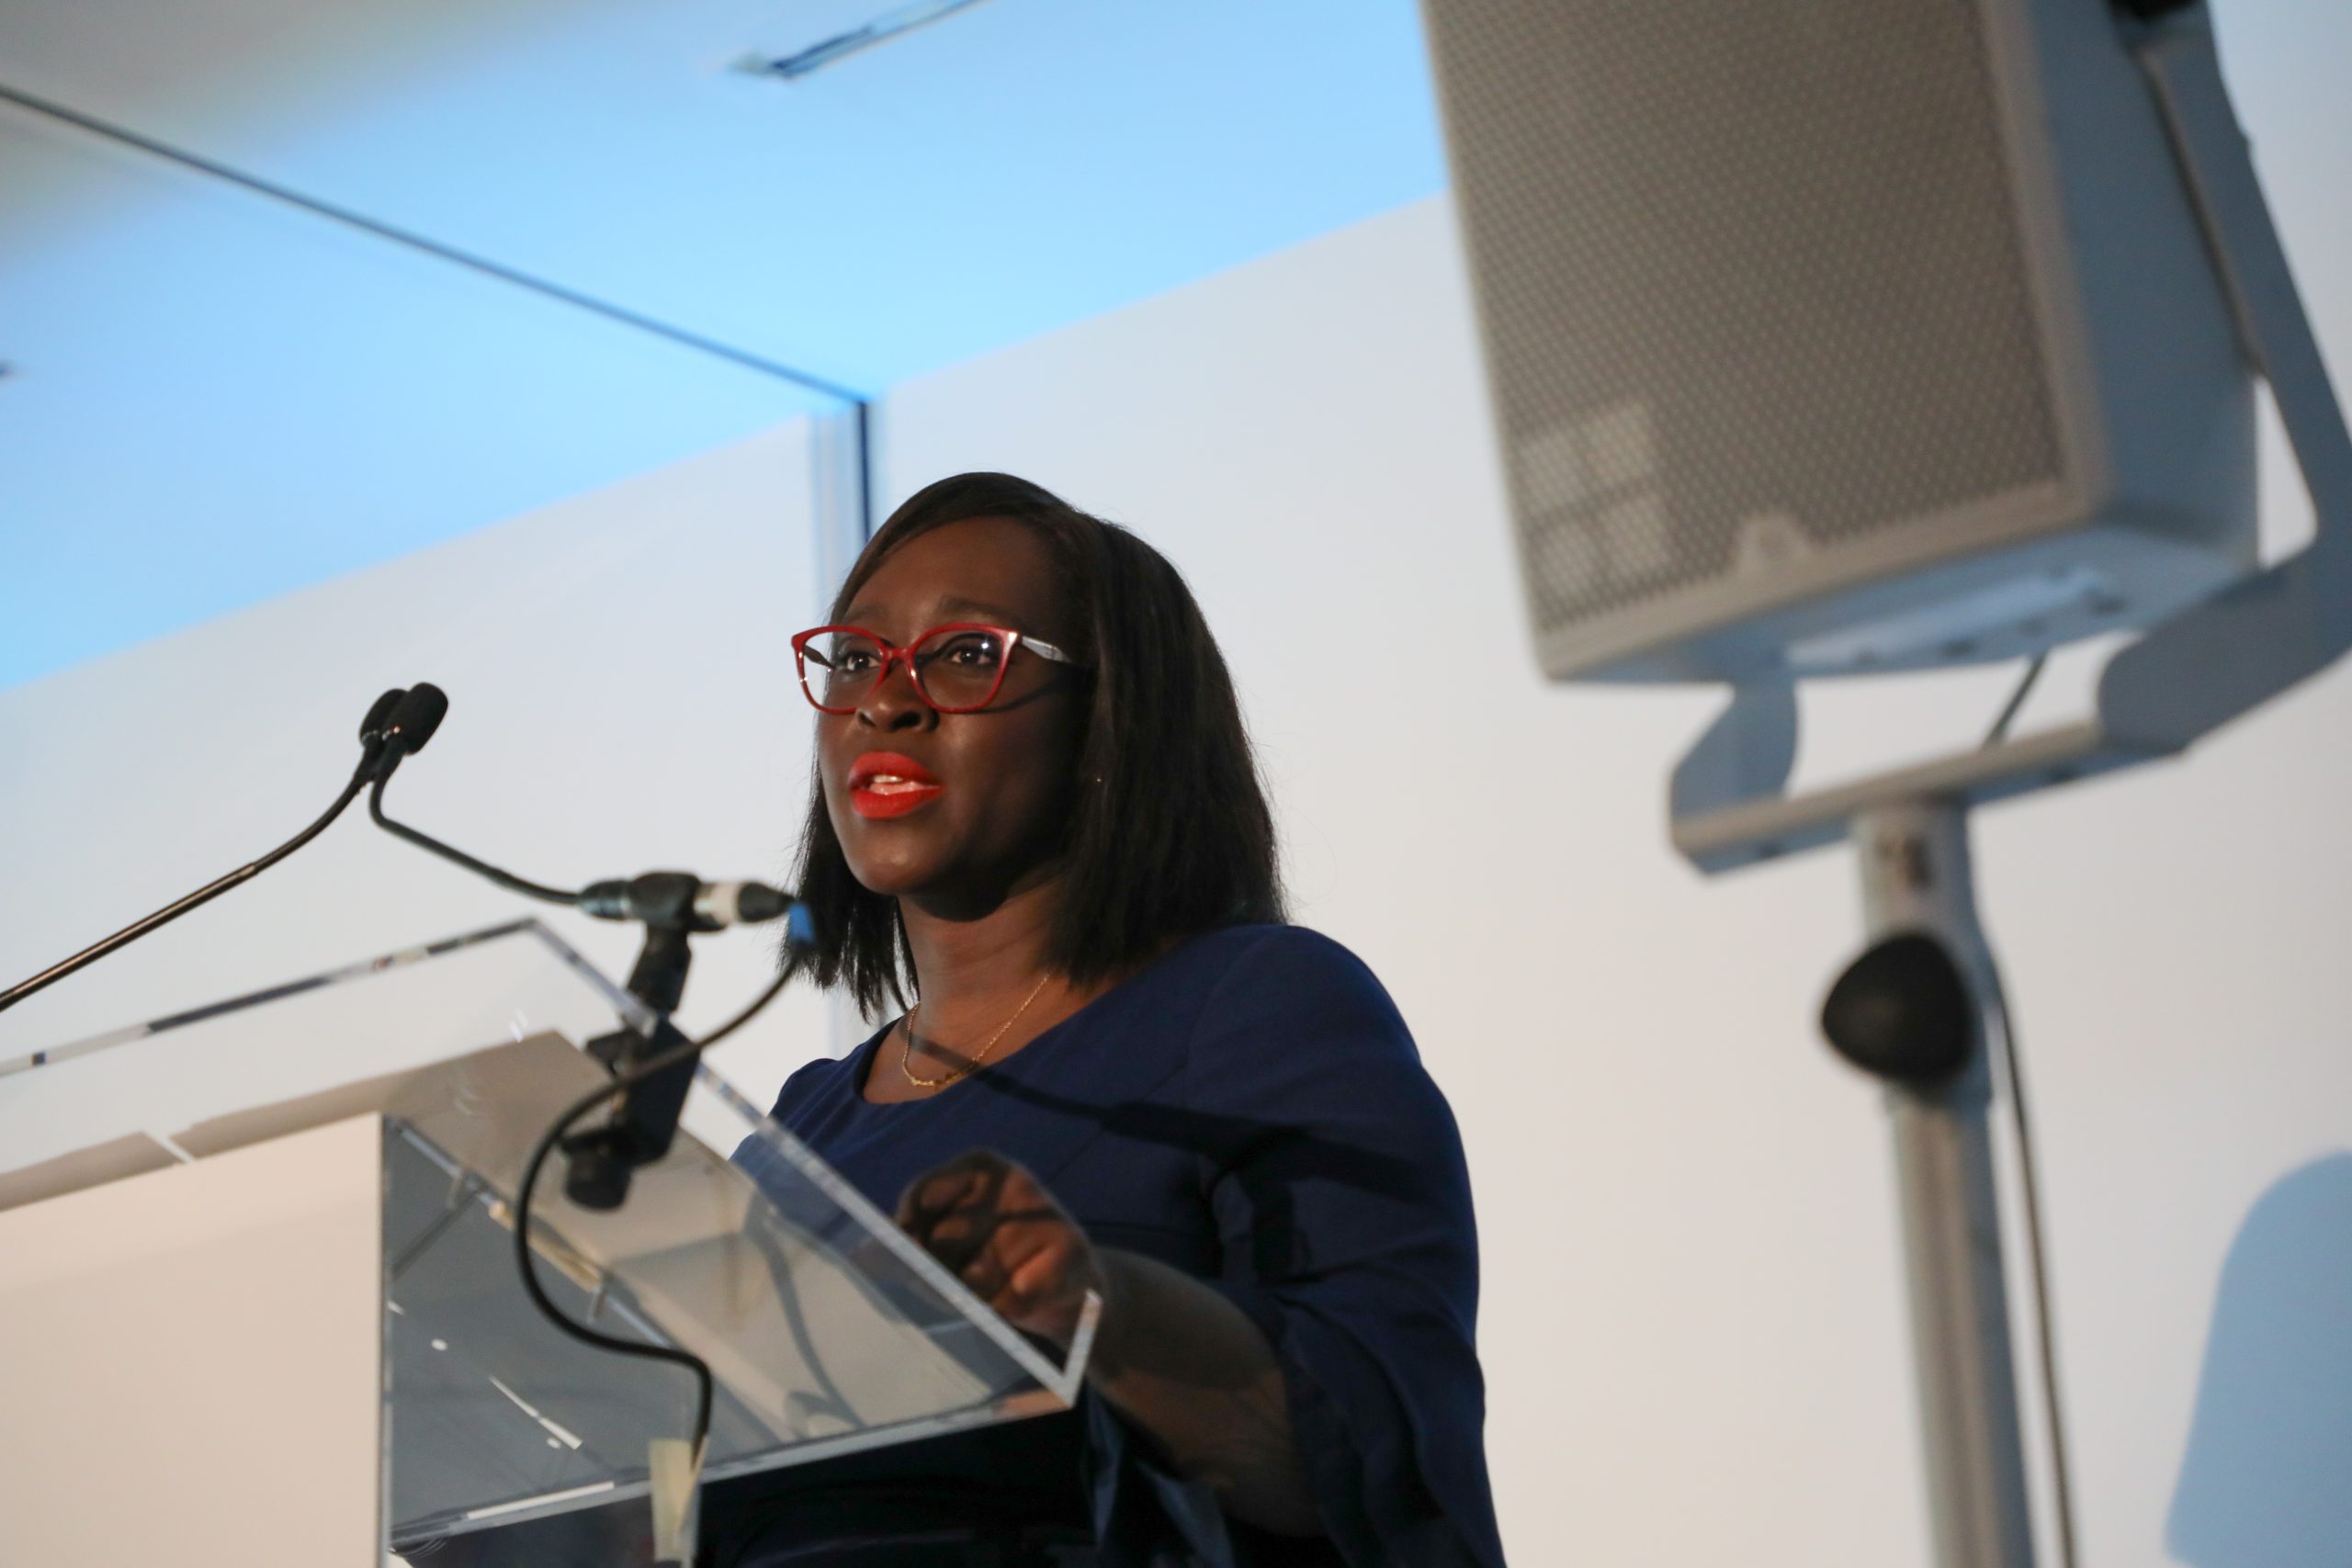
point(652, 1070)
point(657, 898)
point(678, 897)
point(398, 724)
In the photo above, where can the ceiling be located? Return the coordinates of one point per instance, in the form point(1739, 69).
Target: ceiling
point(215, 397)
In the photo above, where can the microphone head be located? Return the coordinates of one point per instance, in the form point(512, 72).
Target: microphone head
point(372, 729)
point(417, 717)
point(740, 903)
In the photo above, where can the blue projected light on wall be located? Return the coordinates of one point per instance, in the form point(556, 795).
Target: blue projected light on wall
point(220, 399)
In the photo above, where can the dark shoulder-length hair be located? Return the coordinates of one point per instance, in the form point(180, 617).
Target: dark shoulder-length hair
point(1174, 839)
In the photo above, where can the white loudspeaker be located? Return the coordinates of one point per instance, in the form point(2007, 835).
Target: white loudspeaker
point(1827, 336)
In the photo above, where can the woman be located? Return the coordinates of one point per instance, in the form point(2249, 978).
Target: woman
point(1122, 1074)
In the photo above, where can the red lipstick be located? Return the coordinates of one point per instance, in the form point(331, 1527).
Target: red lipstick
point(886, 784)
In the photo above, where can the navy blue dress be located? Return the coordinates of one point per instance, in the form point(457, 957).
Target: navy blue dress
point(1250, 1110)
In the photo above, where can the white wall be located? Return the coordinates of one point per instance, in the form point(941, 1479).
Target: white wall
point(621, 700)
point(1692, 1327)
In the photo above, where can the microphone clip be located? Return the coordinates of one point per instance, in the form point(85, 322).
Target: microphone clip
point(600, 1160)
point(644, 1119)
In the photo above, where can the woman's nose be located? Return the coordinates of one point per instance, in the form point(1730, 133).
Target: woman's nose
point(894, 703)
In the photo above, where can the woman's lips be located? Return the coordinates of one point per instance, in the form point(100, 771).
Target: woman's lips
point(885, 783)
point(891, 799)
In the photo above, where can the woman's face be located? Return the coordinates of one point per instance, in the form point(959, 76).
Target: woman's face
point(955, 810)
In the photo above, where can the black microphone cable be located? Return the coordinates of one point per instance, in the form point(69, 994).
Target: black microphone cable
point(554, 1137)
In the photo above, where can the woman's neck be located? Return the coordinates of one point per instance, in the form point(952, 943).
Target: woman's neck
point(986, 989)
point(971, 966)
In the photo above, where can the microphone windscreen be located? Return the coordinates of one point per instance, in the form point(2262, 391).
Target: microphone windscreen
point(757, 902)
point(419, 715)
point(372, 727)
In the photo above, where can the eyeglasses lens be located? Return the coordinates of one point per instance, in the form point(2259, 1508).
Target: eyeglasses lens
point(960, 669)
point(954, 669)
point(838, 668)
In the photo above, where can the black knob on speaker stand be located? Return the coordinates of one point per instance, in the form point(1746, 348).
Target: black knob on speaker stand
point(1903, 1011)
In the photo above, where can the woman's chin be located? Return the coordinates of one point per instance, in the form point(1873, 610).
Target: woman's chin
point(891, 878)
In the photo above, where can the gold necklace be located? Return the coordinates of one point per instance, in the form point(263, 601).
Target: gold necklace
point(907, 1046)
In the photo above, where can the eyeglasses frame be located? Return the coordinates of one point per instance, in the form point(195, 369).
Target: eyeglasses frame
point(892, 653)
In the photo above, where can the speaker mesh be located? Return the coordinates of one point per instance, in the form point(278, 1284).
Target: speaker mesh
point(1750, 274)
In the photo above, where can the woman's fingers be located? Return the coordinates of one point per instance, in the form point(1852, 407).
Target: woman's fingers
point(993, 1225)
point(1014, 1241)
point(960, 1180)
point(1043, 1279)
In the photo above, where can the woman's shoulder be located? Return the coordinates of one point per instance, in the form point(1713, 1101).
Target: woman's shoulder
point(821, 1082)
point(1238, 970)
point(1292, 1031)
point(1252, 982)
point(1273, 954)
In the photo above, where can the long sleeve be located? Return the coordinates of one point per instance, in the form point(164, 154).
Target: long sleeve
point(1342, 1201)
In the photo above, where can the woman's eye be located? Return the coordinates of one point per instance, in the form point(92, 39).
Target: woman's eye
point(971, 653)
point(854, 661)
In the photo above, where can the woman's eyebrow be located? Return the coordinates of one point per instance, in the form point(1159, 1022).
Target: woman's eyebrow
point(949, 608)
point(978, 607)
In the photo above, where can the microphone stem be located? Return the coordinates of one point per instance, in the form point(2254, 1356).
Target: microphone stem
point(506, 879)
point(173, 910)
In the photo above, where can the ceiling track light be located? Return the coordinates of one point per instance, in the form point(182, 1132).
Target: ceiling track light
point(881, 30)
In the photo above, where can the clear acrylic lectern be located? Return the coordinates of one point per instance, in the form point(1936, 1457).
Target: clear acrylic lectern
point(825, 1328)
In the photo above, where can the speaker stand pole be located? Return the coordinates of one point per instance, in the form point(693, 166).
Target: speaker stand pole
point(1916, 877)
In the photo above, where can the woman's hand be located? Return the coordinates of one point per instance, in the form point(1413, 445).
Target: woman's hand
point(1177, 1358)
point(996, 1227)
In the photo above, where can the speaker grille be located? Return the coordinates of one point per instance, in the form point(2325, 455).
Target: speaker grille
point(1751, 280)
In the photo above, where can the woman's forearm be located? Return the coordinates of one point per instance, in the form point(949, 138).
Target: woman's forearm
point(1196, 1375)
point(1184, 1365)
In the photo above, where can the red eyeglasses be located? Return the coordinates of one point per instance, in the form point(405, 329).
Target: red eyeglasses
point(957, 668)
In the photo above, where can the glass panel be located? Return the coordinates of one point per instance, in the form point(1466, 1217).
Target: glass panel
point(387, 1014)
point(825, 1328)
point(841, 667)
